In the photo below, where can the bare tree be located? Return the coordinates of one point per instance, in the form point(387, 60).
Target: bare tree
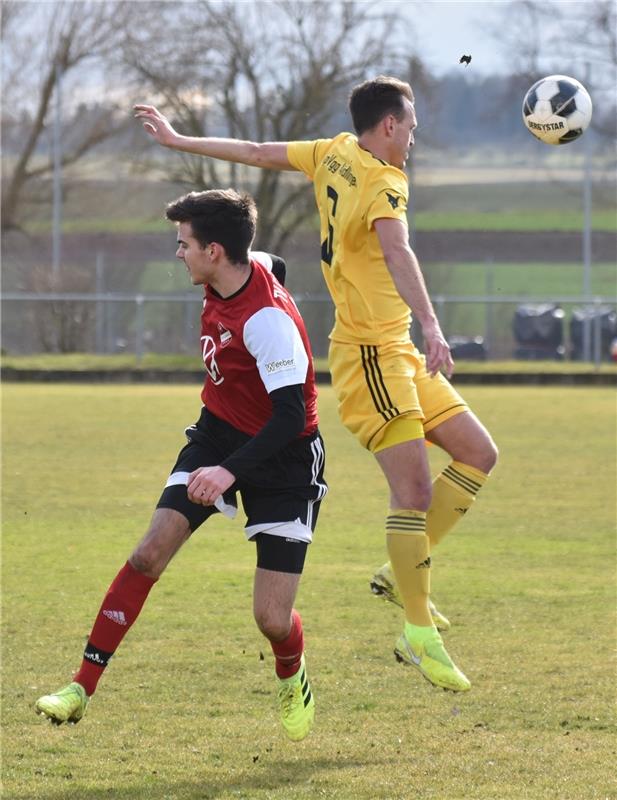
point(590, 33)
point(61, 326)
point(39, 42)
point(541, 36)
point(265, 71)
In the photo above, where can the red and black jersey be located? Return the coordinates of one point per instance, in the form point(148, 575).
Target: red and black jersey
point(253, 343)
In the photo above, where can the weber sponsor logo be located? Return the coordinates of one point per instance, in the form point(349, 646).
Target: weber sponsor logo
point(279, 366)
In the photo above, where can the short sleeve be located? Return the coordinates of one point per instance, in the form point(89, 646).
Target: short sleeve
point(304, 156)
point(273, 339)
point(390, 202)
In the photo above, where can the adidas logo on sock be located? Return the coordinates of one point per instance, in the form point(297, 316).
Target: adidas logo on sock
point(95, 658)
point(426, 564)
point(115, 616)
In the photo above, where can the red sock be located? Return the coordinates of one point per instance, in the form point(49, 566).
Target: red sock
point(288, 653)
point(121, 606)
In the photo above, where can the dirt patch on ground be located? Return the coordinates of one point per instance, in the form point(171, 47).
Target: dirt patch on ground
point(512, 246)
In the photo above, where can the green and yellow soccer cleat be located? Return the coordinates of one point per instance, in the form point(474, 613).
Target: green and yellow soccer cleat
point(66, 705)
point(384, 585)
point(297, 704)
point(429, 656)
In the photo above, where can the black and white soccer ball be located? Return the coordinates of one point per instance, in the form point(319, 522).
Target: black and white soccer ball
point(557, 109)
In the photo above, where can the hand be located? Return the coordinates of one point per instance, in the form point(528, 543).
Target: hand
point(206, 484)
point(437, 350)
point(156, 124)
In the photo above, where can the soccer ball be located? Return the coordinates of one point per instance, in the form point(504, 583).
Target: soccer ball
point(557, 109)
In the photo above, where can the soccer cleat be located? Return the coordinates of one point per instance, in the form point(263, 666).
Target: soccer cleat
point(384, 585)
point(429, 656)
point(297, 704)
point(441, 622)
point(66, 705)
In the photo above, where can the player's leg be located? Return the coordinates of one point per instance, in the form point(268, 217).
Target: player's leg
point(172, 523)
point(282, 506)
point(449, 424)
point(119, 610)
point(128, 592)
point(474, 454)
point(378, 404)
point(406, 468)
point(279, 565)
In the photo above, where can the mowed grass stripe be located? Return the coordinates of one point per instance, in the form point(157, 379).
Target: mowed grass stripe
point(187, 709)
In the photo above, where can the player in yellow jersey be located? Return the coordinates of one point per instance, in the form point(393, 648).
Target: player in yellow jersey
point(391, 397)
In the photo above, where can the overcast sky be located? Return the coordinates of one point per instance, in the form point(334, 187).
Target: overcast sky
point(443, 30)
point(447, 30)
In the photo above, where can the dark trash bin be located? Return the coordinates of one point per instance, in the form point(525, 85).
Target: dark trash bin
point(467, 347)
point(602, 319)
point(538, 332)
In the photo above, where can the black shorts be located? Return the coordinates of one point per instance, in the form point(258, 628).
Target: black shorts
point(280, 498)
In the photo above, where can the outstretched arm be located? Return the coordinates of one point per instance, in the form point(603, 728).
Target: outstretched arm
point(409, 281)
point(268, 155)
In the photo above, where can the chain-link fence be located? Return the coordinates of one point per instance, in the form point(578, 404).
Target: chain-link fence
point(478, 327)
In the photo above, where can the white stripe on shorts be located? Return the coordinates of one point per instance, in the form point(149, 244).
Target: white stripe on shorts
point(182, 479)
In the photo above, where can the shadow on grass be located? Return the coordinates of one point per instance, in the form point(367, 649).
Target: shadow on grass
point(295, 774)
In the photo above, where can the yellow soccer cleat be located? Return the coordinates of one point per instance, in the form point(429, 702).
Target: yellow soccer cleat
point(297, 704)
point(66, 705)
point(384, 585)
point(429, 656)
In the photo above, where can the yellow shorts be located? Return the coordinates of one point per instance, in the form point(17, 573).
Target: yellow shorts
point(375, 384)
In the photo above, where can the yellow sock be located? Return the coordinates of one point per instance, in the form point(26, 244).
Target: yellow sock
point(454, 490)
point(408, 548)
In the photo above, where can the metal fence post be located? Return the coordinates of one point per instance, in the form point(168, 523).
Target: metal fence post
point(489, 282)
point(99, 307)
point(139, 327)
point(597, 334)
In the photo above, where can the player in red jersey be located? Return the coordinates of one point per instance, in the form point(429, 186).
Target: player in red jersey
point(257, 435)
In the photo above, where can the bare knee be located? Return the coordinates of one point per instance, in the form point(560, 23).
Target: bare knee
point(274, 624)
point(147, 561)
point(415, 495)
point(483, 458)
point(466, 440)
point(490, 456)
point(167, 533)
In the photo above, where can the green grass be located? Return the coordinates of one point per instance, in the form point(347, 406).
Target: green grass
point(83, 362)
point(80, 362)
point(517, 220)
point(539, 279)
point(187, 709)
point(136, 206)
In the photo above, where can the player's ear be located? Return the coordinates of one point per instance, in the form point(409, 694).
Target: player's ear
point(215, 250)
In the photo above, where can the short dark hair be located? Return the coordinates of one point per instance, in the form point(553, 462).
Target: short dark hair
point(371, 101)
point(219, 215)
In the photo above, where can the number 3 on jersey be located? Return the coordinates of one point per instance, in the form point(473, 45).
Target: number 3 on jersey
point(327, 246)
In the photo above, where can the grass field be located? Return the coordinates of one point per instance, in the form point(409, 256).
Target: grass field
point(520, 220)
point(118, 205)
point(82, 362)
point(187, 708)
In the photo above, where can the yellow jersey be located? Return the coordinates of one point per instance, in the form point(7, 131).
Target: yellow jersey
point(353, 188)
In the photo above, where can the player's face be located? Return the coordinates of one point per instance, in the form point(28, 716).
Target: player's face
point(197, 259)
point(402, 136)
